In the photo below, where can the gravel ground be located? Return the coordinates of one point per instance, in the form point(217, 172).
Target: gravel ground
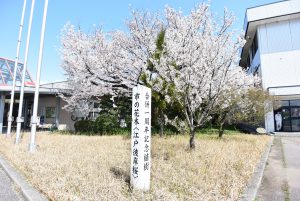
point(7, 189)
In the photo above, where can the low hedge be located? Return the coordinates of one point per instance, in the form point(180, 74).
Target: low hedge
point(84, 126)
point(105, 124)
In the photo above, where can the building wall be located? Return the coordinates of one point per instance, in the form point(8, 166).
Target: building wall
point(46, 102)
point(282, 8)
point(277, 61)
point(64, 121)
point(278, 58)
point(279, 45)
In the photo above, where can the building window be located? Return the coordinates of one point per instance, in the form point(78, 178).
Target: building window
point(50, 112)
point(295, 103)
point(254, 46)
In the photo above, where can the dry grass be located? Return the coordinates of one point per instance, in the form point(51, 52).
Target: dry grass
point(97, 168)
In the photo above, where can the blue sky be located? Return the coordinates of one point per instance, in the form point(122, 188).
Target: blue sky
point(86, 13)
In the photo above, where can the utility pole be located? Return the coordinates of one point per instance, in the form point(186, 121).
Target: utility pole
point(20, 119)
point(34, 119)
point(10, 117)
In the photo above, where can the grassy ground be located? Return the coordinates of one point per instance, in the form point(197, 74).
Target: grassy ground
point(69, 167)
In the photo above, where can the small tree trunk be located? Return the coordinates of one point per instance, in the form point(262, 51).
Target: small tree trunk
point(221, 130)
point(161, 125)
point(192, 138)
point(161, 129)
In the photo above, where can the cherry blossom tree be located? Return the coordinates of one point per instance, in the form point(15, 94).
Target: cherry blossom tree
point(234, 98)
point(90, 64)
point(192, 68)
point(107, 63)
point(199, 50)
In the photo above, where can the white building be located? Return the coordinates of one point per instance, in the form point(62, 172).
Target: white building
point(272, 50)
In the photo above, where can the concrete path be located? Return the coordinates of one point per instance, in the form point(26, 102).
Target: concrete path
point(7, 189)
point(28, 192)
point(281, 180)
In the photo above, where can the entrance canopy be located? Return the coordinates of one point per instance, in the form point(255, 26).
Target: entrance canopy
point(6, 73)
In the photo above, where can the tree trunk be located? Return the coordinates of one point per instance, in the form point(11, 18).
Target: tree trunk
point(192, 138)
point(161, 125)
point(161, 129)
point(221, 130)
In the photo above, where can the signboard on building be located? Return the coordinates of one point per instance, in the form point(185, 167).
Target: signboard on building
point(141, 138)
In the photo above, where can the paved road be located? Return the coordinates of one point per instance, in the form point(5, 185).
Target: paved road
point(281, 180)
point(7, 192)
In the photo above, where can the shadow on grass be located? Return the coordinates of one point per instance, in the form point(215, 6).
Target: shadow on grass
point(122, 175)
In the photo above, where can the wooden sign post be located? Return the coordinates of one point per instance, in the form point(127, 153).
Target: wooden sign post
point(141, 138)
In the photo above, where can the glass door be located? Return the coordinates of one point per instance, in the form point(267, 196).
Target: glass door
point(295, 119)
point(290, 113)
point(286, 120)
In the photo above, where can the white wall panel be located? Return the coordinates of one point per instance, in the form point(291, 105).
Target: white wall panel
point(269, 122)
point(295, 33)
point(271, 10)
point(280, 69)
point(262, 39)
point(284, 91)
point(279, 37)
